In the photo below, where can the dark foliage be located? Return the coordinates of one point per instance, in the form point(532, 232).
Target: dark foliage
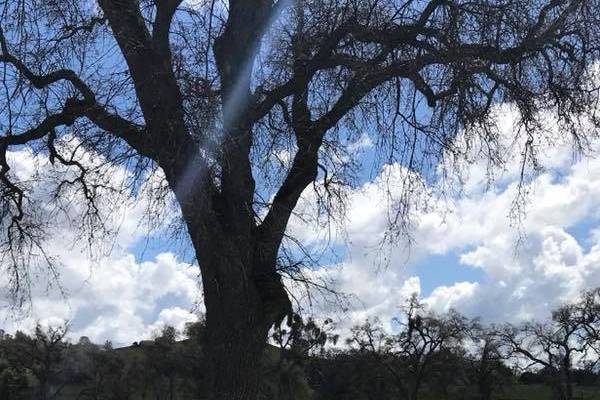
point(211, 92)
point(425, 356)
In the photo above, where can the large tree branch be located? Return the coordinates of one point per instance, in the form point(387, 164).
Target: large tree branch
point(165, 10)
point(134, 40)
point(168, 140)
point(21, 229)
point(395, 37)
point(66, 117)
point(235, 51)
point(150, 65)
point(73, 109)
point(304, 71)
point(42, 81)
point(463, 60)
point(303, 171)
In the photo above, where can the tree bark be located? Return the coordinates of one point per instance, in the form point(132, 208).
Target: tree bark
point(243, 293)
point(238, 319)
point(566, 383)
point(244, 297)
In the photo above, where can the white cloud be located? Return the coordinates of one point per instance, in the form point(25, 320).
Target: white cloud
point(457, 296)
point(117, 299)
point(105, 294)
point(528, 269)
point(120, 298)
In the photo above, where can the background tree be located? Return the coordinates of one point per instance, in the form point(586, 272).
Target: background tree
point(297, 342)
point(587, 313)
point(78, 360)
point(554, 346)
point(471, 364)
point(487, 368)
point(13, 377)
point(163, 362)
point(207, 92)
point(422, 348)
point(42, 355)
point(194, 375)
point(106, 375)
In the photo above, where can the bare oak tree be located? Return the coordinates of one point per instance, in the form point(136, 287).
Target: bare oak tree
point(410, 355)
point(557, 346)
point(211, 91)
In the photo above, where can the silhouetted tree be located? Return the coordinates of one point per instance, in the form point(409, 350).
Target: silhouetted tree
point(42, 355)
point(13, 377)
point(587, 312)
point(187, 88)
point(106, 375)
point(297, 342)
point(487, 363)
point(409, 355)
point(164, 362)
point(553, 346)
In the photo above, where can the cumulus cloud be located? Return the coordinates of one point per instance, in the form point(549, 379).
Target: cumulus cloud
point(529, 266)
point(117, 298)
point(104, 292)
point(528, 269)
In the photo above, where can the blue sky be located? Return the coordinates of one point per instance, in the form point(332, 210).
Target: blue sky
point(464, 254)
point(444, 270)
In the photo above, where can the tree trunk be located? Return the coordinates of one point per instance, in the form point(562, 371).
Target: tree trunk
point(243, 294)
point(567, 384)
point(235, 354)
point(485, 388)
point(243, 300)
point(415, 385)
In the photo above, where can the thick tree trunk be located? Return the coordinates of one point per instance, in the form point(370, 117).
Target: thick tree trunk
point(566, 384)
point(237, 330)
point(244, 297)
point(234, 348)
point(243, 293)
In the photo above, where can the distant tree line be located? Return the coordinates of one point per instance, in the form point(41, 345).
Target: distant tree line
point(46, 366)
point(423, 355)
point(426, 355)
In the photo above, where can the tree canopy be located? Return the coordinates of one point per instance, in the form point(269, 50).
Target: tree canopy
point(243, 104)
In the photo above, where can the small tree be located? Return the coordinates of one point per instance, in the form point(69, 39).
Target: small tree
point(552, 346)
point(43, 356)
point(298, 341)
point(409, 355)
point(106, 375)
point(487, 368)
point(164, 362)
point(587, 313)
